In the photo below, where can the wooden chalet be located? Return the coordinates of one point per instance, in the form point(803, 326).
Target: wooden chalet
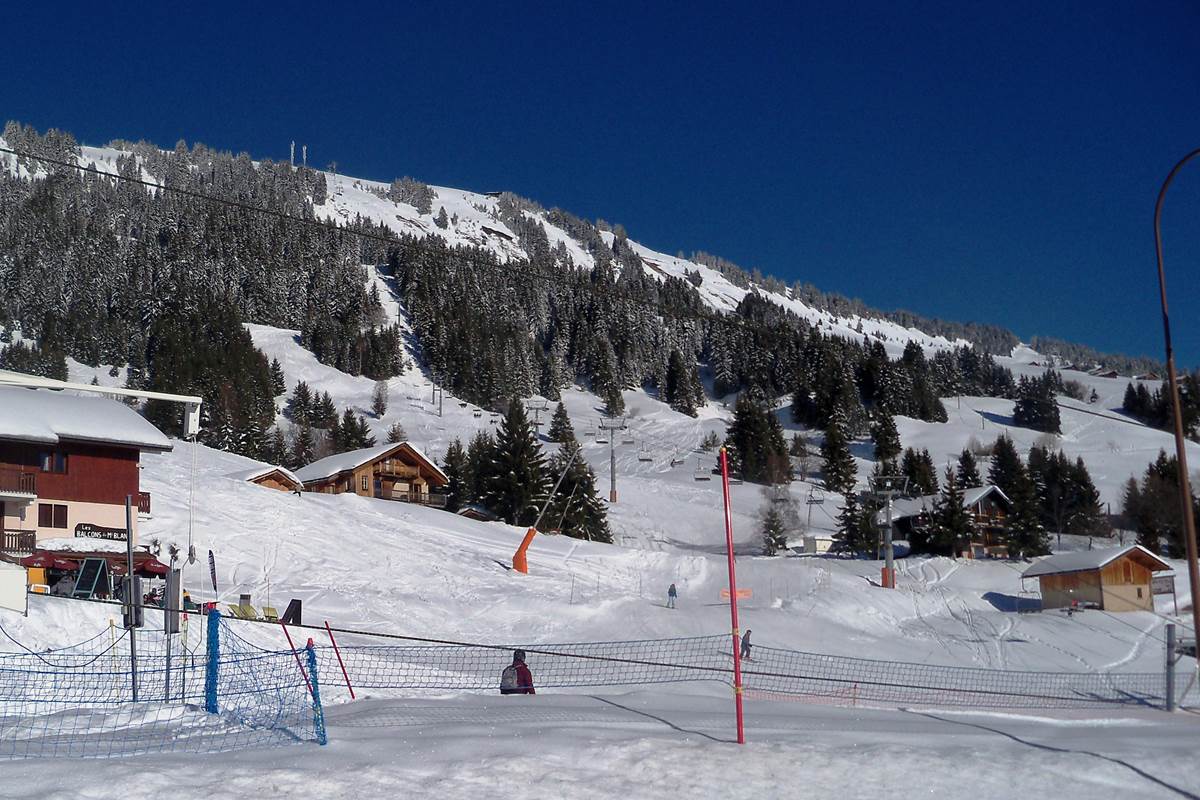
point(270, 477)
point(67, 464)
point(1115, 579)
point(989, 509)
point(390, 472)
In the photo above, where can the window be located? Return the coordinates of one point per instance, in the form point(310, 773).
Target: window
point(364, 483)
point(52, 516)
point(1139, 593)
point(53, 462)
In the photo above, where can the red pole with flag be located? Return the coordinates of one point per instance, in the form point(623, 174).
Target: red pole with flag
point(737, 649)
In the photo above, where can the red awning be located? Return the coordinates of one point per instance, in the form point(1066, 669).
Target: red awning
point(64, 564)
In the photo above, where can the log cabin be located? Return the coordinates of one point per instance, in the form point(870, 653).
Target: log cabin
point(988, 506)
point(270, 477)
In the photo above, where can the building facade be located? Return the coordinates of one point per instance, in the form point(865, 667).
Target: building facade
point(67, 464)
point(389, 472)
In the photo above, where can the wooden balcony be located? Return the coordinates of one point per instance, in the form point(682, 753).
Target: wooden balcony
point(420, 498)
point(394, 468)
point(18, 482)
point(18, 543)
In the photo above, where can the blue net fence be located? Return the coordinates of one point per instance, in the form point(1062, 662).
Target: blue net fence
point(205, 690)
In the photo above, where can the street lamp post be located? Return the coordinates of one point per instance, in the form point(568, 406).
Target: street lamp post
point(1185, 492)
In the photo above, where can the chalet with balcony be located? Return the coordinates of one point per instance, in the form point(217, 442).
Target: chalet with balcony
point(391, 472)
point(66, 465)
point(989, 508)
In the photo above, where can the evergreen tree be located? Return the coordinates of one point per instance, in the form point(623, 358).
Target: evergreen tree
point(397, 434)
point(576, 509)
point(1006, 465)
point(774, 532)
point(952, 523)
point(303, 448)
point(379, 399)
point(516, 477)
point(324, 413)
point(299, 407)
point(479, 457)
point(855, 532)
point(840, 471)
point(755, 443)
point(885, 436)
point(683, 390)
point(278, 382)
point(968, 471)
point(920, 471)
point(1026, 536)
point(455, 466)
point(560, 426)
point(277, 450)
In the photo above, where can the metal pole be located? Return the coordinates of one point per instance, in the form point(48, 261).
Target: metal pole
point(887, 548)
point(130, 608)
point(612, 466)
point(733, 611)
point(1170, 683)
point(1185, 492)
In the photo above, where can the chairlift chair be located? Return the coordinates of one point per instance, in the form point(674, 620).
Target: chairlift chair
point(644, 453)
point(675, 462)
point(602, 436)
point(701, 473)
point(477, 413)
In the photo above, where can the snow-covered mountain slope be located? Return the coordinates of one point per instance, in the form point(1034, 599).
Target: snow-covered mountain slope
point(474, 220)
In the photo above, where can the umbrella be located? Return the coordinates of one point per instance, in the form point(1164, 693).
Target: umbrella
point(64, 564)
point(38, 561)
point(152, 566)
point(116, 567)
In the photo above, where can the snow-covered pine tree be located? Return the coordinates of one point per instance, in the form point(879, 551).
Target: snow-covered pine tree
point(299, 407)
point(967, 474)
point(516, 479)
point(303, 447)
point(885, 436)
point(561, 429)
point(773, 530)
point(278, 382)
point(839, 468)
point(454, 464)
point(952, 525)
point(396, 433)
point(379, 399)
point(576, 509)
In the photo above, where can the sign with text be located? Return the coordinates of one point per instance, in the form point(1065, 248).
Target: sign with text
point(1162, 584)
point(86, 530)
point(742, 594)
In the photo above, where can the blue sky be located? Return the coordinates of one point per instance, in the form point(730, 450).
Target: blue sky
point(991, 162)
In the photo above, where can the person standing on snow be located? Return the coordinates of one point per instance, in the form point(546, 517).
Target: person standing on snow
point(516, 678)
point(746, 645)
point(671, 595)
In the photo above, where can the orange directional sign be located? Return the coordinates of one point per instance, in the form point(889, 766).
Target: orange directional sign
point(742, 594)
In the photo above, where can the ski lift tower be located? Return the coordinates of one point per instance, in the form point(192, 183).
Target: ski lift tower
point(888, 487)
point(537, 407)
point(612, 425)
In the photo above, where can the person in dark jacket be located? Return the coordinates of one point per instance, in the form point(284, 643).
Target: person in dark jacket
point(671, 595)
point(746, 645)
point(516, 678)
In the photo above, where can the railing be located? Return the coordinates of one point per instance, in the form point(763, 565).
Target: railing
point(424, 499)
point(14, 480)
point(143, 503)
point(18, 543)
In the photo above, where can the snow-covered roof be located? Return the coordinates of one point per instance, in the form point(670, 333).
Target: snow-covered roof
point(1086, 560)
point(906, 507)
point(45, 416)
point(265, 469)
point(343, 462)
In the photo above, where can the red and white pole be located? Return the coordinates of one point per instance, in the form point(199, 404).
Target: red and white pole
point(733, 617)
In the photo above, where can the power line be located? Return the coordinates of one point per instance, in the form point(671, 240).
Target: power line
point(523, 269)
